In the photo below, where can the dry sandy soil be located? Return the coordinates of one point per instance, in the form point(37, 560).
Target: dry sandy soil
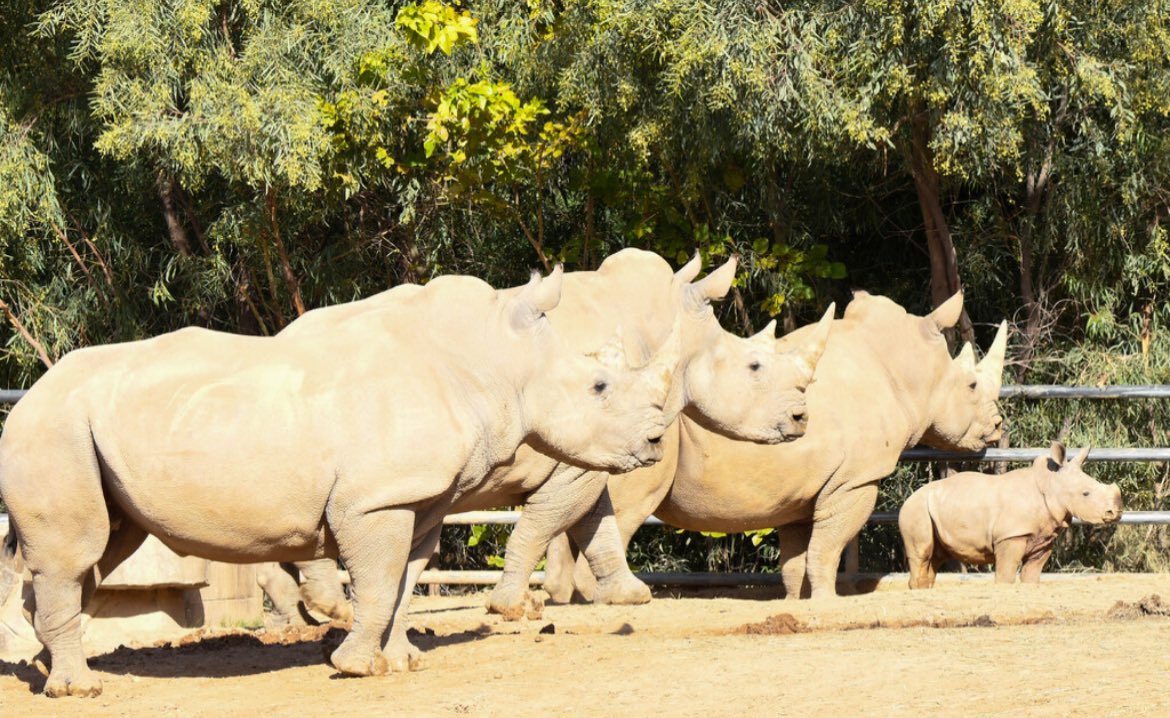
point(1083, 646)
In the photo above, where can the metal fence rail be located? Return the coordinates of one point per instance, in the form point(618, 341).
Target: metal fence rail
point(1022, 391)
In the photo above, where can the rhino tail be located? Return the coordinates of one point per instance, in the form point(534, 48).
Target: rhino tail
point(10, 542)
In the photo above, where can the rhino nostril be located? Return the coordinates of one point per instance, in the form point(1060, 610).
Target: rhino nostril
point(654, 439)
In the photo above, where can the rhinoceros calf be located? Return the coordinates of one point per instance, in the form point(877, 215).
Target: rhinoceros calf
point(1009, 520)
point(354, 441)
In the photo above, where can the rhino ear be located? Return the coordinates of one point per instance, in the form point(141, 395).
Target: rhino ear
point(690, 270)
point(715, 285)
point(947, 314)
point(536, 298)
point(1057, 453)
point(1077, 461)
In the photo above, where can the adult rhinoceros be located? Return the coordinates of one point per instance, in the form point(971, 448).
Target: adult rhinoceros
point(747, 387)
point(885, 383)
point(357, 442)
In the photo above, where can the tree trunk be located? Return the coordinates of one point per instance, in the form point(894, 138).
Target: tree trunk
point(168, 194)
point(290, 278)
point(944, 266)
point(1035, 188)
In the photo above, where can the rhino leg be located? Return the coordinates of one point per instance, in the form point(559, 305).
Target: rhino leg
point(53, 490)
point(604, 549)
point(1008, 556)
point(282, 590)
point(57, 618)
point(399, 651)
point(560, 560)
point(794, 540)
point(838, 517)
point(559, 503)
point(1034, 566)
point(917, 529)
point(322, 591)
point(375, 547)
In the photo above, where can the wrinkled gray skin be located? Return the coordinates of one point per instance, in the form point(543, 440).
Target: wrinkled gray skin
point(748, 388)
point(363, 433)
point(1011, 520)
point(884, 383)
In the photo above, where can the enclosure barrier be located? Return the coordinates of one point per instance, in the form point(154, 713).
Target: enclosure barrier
point(1024, 391)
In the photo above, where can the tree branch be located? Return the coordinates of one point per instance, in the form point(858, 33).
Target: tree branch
point(294, 287)
point(24, 332)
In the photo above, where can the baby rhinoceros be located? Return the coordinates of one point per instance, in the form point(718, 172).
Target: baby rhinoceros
point(1009, 520)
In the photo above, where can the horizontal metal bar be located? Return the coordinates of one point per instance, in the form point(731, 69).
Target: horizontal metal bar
point(1102, 454)
point(729, 579)
point(1059, 391)
point(1142, 518)
point(11, 396)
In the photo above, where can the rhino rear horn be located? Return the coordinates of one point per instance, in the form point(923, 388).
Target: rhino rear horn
point(665, 360)
point(766, 336)
point(947, 314)
point(537, 297)
point(992, 365)
point(811, 352)
point(612, 354)
point(715, 285)
point(966, 358)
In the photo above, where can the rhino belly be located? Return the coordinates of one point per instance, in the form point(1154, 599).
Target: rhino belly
point(260, 500)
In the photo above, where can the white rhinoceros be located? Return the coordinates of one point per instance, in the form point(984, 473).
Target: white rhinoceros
point(1009, 519)
point(362, 436)
point(885, 383)
point(746, 387)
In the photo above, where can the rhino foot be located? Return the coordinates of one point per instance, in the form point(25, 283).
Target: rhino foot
point(527, 605)
point(402, 661)
point(83, 683)
point(358, 661)
point(624, 591)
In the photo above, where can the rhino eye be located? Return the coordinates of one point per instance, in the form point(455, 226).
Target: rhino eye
point(754, 366)
point(1084, 493)
point(599, 387)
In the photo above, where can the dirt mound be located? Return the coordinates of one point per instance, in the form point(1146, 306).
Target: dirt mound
point(1151, 605)
point(780, 624)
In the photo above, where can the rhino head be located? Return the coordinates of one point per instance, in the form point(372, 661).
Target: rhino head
point(1067, 488)
point(963, 407)
point(744, 388)
point(596, 410)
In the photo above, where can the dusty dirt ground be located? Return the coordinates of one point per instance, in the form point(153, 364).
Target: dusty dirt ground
point(1083, 646)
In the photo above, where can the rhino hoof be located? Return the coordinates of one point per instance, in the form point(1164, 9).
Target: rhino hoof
point(627, 591)
point(528, 606)
point(409, 662)
point(357, 662)
point(87, 685)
